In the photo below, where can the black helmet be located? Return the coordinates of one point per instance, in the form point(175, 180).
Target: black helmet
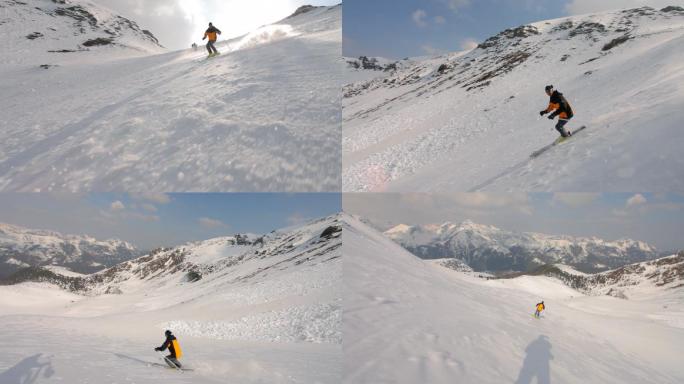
point(548, 88)
point(167, 333)
point(211, 25)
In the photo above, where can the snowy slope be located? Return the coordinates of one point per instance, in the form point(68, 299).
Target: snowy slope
point(262, 311)
point(37, 32)
point(22, 247)
point(488, 248)
point(408, 321)
point(263, 116)
point(470, 121)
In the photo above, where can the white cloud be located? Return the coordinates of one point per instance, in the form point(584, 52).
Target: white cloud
point(576, 7)
point(297, 218)
point(149, 207)
point(419, 17)
point(575, 199)
point(454, 5)
point(430, 50)
point(619, 212)
point(158, 198)
point(117, 206)
point(490, 200)
point(207, 222)
point(440, 20)
point(635, 200)
point(143, 217)
point(468, 44)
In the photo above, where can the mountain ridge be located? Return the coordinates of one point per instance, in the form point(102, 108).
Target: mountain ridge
point(488, 248)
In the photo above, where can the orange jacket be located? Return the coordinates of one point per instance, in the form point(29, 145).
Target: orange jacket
point(212, 33)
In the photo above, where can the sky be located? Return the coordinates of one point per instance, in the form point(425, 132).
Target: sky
point(179, 23)
point(657, 219)
point(151, 221)
point(408, 28)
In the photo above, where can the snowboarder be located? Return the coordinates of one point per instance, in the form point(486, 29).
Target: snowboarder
point(561, 108)
point(540, 308)
point(174, 350)
point(194, 46)
point(212, 33)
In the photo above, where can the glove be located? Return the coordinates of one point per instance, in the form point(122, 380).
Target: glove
point(542, 113)
point(551, 117)
point(157, 349)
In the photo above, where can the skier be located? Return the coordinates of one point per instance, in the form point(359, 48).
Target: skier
point(561, 108)
point(211, 33)
point(174, 350)
point(540, 308)
point(194, 46)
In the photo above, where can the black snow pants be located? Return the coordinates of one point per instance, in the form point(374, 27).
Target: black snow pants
point(170, 360)
point(211, 48)
point(560, 127)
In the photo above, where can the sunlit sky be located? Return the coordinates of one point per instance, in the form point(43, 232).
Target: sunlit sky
point(655, 218)
point(150, 221)
point(179, 23)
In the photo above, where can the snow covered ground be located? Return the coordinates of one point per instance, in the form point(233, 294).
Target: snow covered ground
point(470, 121)
point(266, 313)
point(265, 115)
point(410, 321)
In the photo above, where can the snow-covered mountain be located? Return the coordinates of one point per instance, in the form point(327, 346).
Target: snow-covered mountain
point(265, 115)
point(488, 248)
point(407, 320)
point(214, 259)
point(638, 278)
point(248, 309)
point(43, 32)
point(21, 248)
point(470, 121)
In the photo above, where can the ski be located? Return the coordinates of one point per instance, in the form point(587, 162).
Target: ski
point(558, 141)
point(168, 367)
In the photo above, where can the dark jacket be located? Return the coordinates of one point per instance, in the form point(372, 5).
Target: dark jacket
point(559, 104)
point(172, 344)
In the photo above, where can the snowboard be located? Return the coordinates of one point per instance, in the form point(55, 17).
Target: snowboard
point(558, 141)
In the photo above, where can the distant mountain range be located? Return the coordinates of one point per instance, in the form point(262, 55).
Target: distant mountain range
point(21, 247)
point(487, 248)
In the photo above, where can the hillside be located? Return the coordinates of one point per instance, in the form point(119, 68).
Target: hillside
point(488, 248)
point(638, 278)
point(117, 116)
point(407, 320)
point(469, 120)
